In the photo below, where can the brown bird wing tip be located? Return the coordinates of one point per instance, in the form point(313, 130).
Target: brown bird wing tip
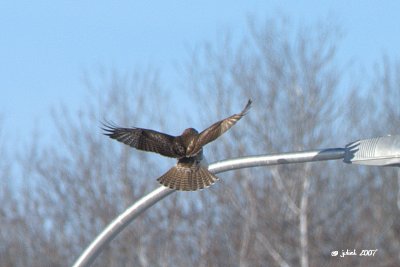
point(108, 127)
point(247, 107)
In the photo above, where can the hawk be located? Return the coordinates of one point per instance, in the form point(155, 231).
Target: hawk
point(188, 174)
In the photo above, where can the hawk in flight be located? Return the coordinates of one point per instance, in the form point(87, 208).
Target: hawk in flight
point(188, 174)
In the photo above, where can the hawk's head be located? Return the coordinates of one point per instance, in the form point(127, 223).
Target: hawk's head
point(189, 132)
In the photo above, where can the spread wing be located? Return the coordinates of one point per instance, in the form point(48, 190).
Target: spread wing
point(147, 140)
point(216, 130)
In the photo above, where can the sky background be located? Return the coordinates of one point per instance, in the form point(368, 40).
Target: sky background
point(46, 47)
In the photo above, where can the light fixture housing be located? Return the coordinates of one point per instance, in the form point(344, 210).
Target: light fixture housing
point(379, 151)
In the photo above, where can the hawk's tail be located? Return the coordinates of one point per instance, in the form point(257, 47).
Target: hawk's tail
point(187, 179)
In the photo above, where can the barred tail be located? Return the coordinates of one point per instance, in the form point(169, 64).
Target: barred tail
point(187, 179)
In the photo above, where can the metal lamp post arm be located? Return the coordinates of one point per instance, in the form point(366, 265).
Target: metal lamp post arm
point(380, 151)
point(118, 224)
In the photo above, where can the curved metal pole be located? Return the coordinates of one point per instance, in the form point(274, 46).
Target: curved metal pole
point(116, 226)
point(275, 159)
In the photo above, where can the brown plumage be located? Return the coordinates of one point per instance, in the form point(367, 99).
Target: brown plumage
point(188, 174)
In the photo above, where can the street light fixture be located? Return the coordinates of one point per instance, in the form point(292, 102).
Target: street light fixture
point(380, 151)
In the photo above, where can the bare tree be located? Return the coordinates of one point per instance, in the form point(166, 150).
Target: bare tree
point(384, 207)
point(80, 182)
point(7, 247)
point(293, 215)
point(288, 215)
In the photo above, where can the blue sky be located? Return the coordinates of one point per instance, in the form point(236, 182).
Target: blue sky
point(47, 46)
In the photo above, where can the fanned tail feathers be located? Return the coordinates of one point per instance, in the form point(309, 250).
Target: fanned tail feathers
point(187, 179)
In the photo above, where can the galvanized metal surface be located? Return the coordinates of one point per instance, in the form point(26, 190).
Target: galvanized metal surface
point(116, 226)
point(381, 151)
